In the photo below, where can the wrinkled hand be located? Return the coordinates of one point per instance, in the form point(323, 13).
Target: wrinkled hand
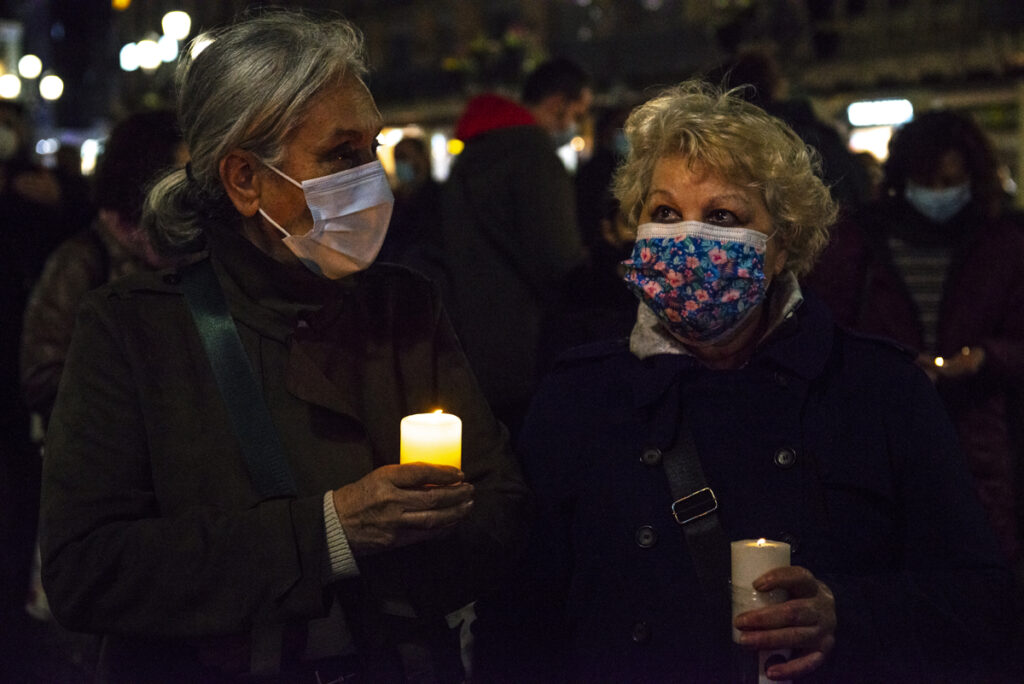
point(397, 505)
point(805, 623)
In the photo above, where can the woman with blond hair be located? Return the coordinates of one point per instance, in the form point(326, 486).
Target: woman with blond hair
point(738, 410)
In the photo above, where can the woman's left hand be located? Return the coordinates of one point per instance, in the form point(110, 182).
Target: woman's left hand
point(805, 623)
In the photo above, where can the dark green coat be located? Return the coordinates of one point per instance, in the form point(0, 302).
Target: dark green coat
point(151, 528)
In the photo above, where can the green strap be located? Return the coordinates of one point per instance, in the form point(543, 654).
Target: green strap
point(246, 407)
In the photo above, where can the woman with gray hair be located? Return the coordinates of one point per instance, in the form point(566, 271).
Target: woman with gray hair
point(223, 493)
point(737, 410)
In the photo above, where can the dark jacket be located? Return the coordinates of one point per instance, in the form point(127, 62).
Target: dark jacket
point(510, 240)
point(81, 263)
point(833, 443)
point(981, 307)
point(152, 532)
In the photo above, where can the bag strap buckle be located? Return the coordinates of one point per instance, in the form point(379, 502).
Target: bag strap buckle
point(694, 506)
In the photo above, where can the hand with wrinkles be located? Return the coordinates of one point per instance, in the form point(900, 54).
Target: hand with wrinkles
point(806, 623)
point(397, 505)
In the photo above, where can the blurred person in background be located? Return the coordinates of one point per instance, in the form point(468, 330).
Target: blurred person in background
point(603, 309)
point(414, 234)
point(39, 207)
point(35, 215)
point(511, 241)
point(936, 264)
point(219, 535)
point(137, 150)
point(846, 177)
point(594, 178)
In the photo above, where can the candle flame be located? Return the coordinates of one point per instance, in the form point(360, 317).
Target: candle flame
point(438, 410)
point(939, 361)
point(762, 541)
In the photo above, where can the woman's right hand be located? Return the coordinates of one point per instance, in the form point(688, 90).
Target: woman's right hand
point(397, 505)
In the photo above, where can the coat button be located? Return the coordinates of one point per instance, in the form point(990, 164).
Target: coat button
point(172, 278)
point(641, 632)
point(785, 458)
point(645, 537)
point(651, 456)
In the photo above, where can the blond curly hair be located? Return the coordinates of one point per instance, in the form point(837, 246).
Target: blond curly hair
point(724, 134)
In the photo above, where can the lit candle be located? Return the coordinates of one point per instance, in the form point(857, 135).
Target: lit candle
point(432, 438)
point(750, 559)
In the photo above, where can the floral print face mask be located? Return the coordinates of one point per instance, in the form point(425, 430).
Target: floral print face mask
point(701, 280)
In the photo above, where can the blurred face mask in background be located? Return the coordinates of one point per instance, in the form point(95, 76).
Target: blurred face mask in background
point(351, 210)
point(405, 171)
point(940, 204)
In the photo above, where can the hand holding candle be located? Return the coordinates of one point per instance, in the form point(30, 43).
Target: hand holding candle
point(431, 438)
point(750, 560)
point(803, 628)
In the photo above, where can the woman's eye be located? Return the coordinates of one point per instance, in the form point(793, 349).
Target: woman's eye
point(664, 214)
point(722, 217)
point(346, 157)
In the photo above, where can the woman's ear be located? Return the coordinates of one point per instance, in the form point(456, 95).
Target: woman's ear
point(241, 182)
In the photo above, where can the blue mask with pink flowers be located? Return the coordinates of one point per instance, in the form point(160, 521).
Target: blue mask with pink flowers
point(701, 280)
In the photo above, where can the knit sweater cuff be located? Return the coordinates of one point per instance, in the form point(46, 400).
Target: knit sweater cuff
point(343, 563)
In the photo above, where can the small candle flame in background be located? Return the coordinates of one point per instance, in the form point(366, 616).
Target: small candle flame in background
point(939, 361)
point(438, 410)
point(762, 541)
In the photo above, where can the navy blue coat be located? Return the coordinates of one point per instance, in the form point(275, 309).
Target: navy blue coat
point(834, 443)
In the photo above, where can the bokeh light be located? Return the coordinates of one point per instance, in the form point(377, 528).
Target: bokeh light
point(168, 48)
point(149, 54)
point(51, 87)
point(176, 24)
point(130, 57)
point(10, 86)
point(30, 66)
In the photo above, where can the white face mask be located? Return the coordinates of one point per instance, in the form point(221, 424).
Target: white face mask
point(351, 210)
point(940, 204)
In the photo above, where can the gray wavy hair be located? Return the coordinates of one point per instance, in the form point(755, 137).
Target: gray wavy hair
point(249, 88)
point(723, 133)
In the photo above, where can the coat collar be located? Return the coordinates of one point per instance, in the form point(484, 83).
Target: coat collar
point(799, 342)
point(268, 295)
point(294, 307)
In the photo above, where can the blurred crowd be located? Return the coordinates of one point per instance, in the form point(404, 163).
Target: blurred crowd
point(529, 260)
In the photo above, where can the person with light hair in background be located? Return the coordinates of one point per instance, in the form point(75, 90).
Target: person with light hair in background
point(739, 410)
point(222, 493)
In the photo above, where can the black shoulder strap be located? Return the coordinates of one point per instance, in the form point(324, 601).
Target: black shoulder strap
point(249, 415)
point(695, 508)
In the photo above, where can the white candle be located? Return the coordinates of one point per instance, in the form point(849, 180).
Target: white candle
point(751, 558)
point(431, 438)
